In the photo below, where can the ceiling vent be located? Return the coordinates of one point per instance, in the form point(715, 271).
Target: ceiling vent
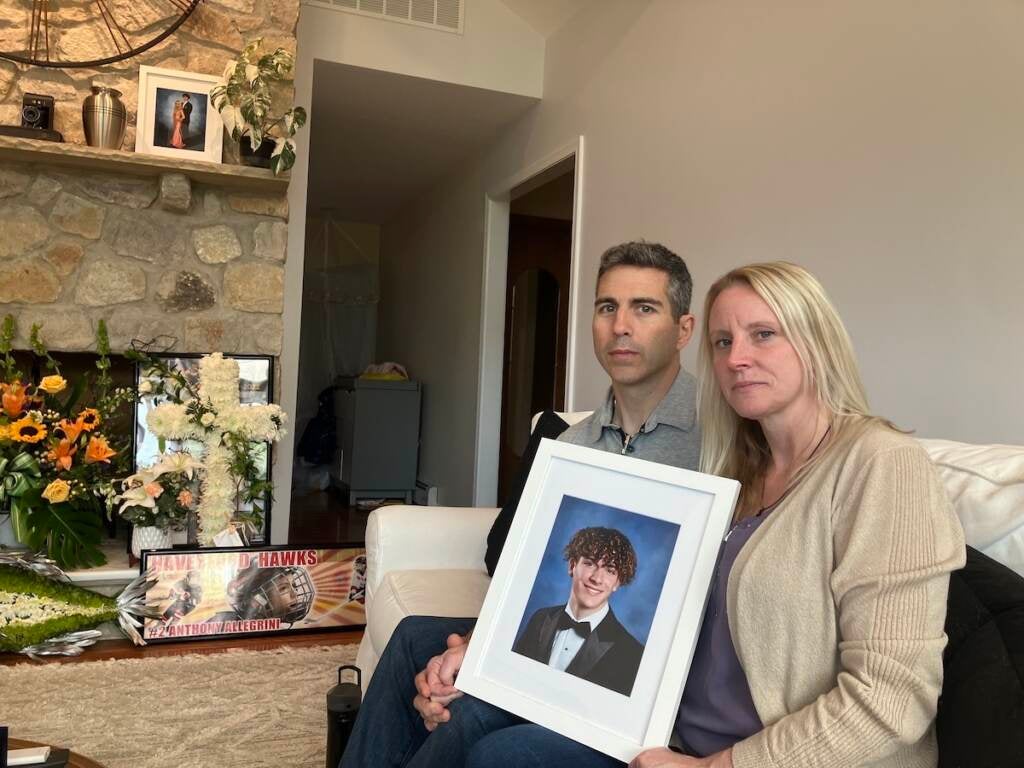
point(445, 15)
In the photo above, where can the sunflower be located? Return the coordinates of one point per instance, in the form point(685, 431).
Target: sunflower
point(88, 419)
point(98, 450)
point(27, 431)
point(5, 432)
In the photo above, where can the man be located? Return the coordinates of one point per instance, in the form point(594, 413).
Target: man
point(186, 107)
point(583, 636)
point(641, 322)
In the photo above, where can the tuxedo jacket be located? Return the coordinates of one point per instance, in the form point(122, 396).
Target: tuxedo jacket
point(609, 657)
point(187, 109)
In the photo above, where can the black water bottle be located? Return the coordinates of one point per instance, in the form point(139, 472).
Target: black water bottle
point(3, 746)
point(342, 708)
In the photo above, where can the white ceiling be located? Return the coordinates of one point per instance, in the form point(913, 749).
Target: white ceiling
point(379, 140)
point(546, 16)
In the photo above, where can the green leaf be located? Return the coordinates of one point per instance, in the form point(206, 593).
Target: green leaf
point(70, 534)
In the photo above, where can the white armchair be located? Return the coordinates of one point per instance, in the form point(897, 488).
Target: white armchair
point(429, 561)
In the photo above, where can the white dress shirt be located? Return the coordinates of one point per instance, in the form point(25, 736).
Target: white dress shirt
point(568, 641)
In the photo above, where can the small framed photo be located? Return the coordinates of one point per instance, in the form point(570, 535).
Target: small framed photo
point(213, 593)
point(593, 614)
point(176, 117)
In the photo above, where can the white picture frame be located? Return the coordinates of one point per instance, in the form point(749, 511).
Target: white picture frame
point(676, 519)
point(200, 137)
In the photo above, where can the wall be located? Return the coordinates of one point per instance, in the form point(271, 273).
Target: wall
point(198, 265)
point(497, 50)
point(876, 144)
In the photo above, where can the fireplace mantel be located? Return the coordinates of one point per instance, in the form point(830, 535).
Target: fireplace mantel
point(240, 177)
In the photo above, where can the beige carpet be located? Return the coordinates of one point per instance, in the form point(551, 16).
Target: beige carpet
point(244, 709)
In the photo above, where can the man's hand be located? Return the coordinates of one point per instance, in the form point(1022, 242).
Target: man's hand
point(666, 758)
point(435, 685)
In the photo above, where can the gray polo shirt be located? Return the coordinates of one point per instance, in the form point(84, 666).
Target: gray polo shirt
point(670, 435)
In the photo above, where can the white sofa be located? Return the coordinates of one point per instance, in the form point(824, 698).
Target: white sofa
point(429, 561)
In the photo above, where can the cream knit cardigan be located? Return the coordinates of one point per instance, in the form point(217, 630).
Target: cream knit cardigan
point(836, 608)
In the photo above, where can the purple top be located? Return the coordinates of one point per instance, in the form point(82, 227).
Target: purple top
point(716, 710)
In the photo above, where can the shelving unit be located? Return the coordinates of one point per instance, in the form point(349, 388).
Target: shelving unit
point(238, 177)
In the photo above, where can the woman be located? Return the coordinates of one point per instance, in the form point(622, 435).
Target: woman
point(178, 115)
point(822, 641)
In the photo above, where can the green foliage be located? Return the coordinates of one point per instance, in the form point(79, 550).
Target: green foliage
point(69, 533)
point(19, 634)
point(11, 371)
point(244, 100)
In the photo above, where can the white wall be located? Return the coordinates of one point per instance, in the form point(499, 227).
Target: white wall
point(497, 49)
point(878, 143)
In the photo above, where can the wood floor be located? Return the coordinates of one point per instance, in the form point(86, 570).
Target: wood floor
point(324, 517)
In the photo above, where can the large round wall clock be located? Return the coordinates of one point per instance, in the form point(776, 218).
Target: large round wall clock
point(91, 33)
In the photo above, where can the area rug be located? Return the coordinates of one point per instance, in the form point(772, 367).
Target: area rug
point(235, 709)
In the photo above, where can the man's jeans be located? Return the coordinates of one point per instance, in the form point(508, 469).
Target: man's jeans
point(390, 734)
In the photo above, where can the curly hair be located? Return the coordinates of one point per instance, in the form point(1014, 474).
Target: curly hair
point(604, 545)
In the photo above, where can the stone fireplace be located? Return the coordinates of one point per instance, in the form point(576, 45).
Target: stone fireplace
point(153, 247)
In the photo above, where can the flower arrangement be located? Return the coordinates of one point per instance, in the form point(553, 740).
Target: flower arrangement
point(232, 435)
point(243, 98)
point(161, 495)
point(42, 615)
point(57, 462)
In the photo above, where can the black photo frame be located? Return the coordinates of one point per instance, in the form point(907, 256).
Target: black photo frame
point(256, 387)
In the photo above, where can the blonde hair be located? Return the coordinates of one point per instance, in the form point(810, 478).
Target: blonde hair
point(735, 447)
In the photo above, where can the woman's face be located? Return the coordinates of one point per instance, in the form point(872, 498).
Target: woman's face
point(755, 365)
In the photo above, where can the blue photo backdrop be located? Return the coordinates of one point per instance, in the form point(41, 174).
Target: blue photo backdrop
point(654, 541)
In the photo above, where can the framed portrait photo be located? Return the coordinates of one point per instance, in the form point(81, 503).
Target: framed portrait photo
point(594, 611)
point(176, 117)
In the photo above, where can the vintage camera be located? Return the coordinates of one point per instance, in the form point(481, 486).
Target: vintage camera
point(37, 112)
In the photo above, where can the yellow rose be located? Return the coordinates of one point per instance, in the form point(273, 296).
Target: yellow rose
point(51, 385)
point(57, 491)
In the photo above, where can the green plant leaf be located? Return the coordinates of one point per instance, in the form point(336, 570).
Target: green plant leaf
point(70, 534)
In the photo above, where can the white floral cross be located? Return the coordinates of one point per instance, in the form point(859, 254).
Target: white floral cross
point(223, 414)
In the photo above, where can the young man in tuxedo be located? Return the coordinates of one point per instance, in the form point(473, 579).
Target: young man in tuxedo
point(583, 636)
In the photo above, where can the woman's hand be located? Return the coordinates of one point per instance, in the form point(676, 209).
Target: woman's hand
point(664, 758)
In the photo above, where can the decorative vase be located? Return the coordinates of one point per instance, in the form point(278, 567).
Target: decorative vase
point(8, 536)
point(149, 537)
point(260, 157)
point(104, 118)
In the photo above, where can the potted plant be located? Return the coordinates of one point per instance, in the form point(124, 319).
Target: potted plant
point(157, 500)
point(244, 100)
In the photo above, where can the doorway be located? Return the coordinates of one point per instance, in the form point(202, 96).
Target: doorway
point(537, 299)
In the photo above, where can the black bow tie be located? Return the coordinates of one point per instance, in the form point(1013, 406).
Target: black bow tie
point(581, 628)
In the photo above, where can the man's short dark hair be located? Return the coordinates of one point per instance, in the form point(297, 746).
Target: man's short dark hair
point(605, 545)
point(185, 96)
point(639, 253)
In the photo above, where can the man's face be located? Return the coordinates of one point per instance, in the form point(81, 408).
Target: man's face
point(593, 582)
point(635, 337)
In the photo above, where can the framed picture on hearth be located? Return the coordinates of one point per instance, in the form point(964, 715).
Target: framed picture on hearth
point(176, 117)
point(590, 622)
point(255, 387)
point(216, 593)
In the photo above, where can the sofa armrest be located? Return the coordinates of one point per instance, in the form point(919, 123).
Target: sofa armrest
point(401, 537)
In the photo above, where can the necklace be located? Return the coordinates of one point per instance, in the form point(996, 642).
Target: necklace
point(790, 486)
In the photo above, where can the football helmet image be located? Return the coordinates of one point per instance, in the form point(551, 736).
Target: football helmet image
point(271, 593)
